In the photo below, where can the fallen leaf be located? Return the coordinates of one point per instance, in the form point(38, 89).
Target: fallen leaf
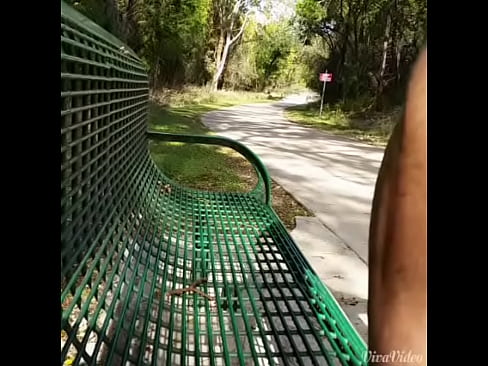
point(349, 301)
point(166, 188)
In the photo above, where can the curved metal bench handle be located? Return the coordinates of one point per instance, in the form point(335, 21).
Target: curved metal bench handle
point(222, 141)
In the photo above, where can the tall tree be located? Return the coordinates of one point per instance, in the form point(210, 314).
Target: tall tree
point(230, 18)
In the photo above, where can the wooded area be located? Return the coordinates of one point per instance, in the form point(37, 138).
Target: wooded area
point(369, 45)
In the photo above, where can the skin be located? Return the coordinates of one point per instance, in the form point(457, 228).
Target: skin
point(397, 305)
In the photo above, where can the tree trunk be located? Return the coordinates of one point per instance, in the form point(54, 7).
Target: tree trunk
point(154, 77)
point(385, 46)
point(379, 90)
point(398, 61)
point(129, 22)
point(221, 65)
point(219, 49)
point(342, 61)
point(397, 42)
point(226, 24)
point(113, 14)
point(356, 40)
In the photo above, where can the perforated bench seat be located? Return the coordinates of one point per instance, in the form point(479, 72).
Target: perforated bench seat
point(154, 273)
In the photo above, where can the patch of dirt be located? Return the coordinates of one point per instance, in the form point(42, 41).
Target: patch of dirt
point(287, 207)
point(348, 300)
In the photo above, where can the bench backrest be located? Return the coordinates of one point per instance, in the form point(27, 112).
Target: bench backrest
point(104, 96)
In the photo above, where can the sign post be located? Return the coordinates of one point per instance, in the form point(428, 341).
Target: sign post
point(325, 77)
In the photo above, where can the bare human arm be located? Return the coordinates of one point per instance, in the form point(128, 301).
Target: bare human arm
point(397, 305)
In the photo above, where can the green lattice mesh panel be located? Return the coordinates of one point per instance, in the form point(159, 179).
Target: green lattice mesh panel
point(127, 240)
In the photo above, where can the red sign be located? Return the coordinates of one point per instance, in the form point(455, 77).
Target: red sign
point(325, 77)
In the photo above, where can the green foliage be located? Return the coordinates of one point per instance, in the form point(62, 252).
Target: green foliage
point(170, 35)
point(181, 41)
point(174, 36)
point(310, 12)
point(268, 56)
point(273, 48)
point(369, 46)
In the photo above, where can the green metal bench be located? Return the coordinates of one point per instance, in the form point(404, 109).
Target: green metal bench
point(156, 273)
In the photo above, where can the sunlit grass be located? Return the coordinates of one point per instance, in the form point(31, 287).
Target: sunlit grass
point(374, 129)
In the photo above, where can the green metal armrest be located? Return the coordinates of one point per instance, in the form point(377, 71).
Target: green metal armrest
point(257, 164)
